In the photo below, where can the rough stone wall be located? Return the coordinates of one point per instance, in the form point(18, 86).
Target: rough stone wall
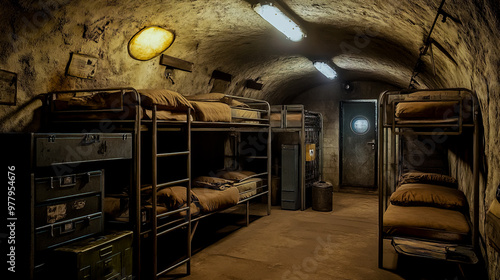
point(38, 36)
point(474, 46)
point(326, 100)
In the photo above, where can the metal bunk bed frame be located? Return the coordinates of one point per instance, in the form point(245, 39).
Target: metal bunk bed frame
point(390, 130)
point(283, 110)
point(138, 125)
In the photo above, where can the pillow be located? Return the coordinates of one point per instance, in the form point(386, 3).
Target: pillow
point(429, 195)
point(233, 175)
point(164, 99)
point(216, 97)
point(428, 178)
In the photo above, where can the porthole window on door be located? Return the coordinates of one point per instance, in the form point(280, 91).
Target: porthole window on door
point(360, 125)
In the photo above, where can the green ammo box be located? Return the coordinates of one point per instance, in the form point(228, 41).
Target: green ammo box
point(103, 257)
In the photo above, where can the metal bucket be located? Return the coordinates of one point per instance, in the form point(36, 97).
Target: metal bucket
point(322, 196)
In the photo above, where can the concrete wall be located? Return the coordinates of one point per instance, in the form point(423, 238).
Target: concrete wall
point(325, 100)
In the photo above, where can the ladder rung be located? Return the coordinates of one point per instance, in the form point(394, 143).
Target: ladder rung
point(172, 183)
point(172, 228)
point(173, 154)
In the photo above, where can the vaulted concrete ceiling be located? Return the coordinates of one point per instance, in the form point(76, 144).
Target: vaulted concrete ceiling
point(367, 40)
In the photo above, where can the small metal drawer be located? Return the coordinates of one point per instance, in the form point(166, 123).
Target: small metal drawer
point(68, 209)
point(72, 149)
point(50, 188)
point(59, 233)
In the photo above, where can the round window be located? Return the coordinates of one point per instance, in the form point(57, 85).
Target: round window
point(360, 125)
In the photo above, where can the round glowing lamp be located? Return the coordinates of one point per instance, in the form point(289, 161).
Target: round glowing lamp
point(150, 42)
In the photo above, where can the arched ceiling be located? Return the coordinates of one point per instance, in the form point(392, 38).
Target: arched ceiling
point(366, 40)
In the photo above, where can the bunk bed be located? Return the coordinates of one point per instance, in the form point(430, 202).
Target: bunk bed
point(164, 196)
point(423, 211)
point(305, 129)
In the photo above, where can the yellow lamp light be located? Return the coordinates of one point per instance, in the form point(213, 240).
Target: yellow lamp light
point(150, 42)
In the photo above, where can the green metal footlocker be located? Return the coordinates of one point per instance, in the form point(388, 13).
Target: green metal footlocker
point(103, 257)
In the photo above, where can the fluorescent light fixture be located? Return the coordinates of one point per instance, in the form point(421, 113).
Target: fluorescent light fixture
point(325, 69)
point(280, 21)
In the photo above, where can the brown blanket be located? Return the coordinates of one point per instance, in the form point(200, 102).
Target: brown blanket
point(211, 111)
point(212, 200)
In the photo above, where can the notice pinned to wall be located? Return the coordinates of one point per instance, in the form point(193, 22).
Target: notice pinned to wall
point(310, 152)
point(8, 87)
point(82, 66)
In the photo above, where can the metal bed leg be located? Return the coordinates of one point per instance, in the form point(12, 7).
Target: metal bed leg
point(247, 214)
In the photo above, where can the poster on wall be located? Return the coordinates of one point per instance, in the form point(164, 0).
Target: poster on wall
point(8, 87)
point(82, 66)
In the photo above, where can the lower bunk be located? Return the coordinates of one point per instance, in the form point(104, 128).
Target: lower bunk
point(179, 212)
point(428, 216)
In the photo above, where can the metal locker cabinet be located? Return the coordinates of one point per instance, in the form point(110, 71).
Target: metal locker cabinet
point(290, 192)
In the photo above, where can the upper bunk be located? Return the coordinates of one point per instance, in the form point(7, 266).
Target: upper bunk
point(427, 112)
point(290, 118)
point(128, 106)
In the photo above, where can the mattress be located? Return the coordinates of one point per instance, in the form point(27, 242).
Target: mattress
point(429, 107)
point(112, 105)
point(426, 223)
point(249, 187)
point(240, 180)
point(239, 115)
point(211, 111)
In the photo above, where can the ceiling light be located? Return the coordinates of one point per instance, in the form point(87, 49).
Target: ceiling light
point(325, 69)
point(272, 14)
point(150, 42)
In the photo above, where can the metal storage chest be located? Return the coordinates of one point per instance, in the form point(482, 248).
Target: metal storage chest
point(103, 257)
point(57, 190)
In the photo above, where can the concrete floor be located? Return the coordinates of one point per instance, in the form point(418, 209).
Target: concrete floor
point(341, 244)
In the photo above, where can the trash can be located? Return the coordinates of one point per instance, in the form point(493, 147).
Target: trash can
point(322, 196)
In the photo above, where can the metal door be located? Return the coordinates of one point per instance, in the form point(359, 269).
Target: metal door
point(358, 130)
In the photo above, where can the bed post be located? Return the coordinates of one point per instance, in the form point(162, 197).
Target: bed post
point(269, 159)
point(381, 185)
point(475, 230)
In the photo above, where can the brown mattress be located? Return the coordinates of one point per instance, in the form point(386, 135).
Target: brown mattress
point(211, 111)
point(167, 115)
point(248, 187)
point(108, 105)
point(426, 223)
point(237, 113)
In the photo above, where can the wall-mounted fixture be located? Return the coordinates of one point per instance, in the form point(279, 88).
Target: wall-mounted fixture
point(278, 18)
point(253, 84)
point(8, 88)
point(176, 63)
point(347, 87)
point(220, 81)
point(150, 42)
point(325, 69)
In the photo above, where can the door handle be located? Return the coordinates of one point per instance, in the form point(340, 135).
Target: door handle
point(371, 143)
